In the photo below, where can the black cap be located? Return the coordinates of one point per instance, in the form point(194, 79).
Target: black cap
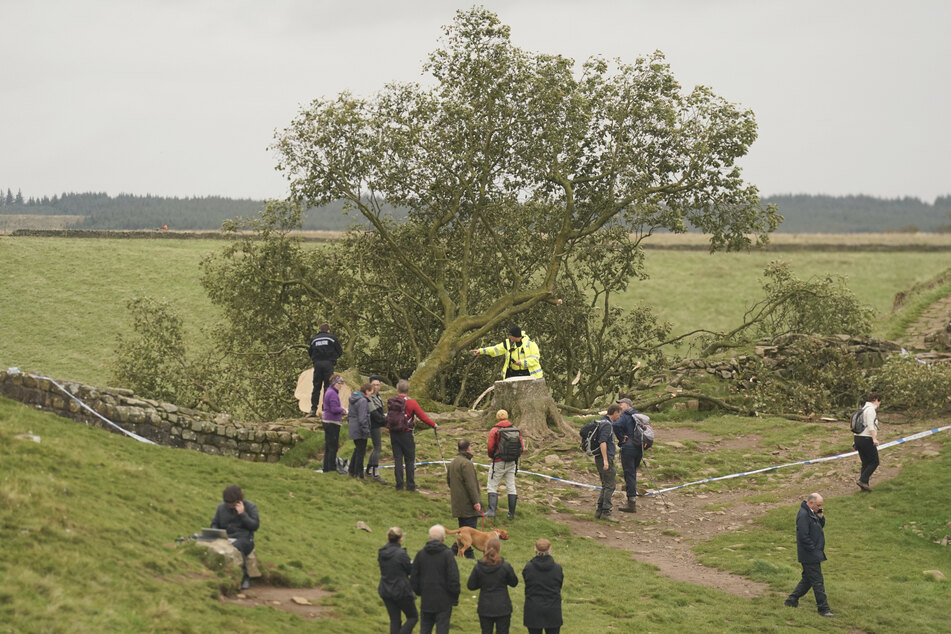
point(515, 331)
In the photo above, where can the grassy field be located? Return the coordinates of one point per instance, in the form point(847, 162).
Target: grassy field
point(89, 521)
point(64, 298)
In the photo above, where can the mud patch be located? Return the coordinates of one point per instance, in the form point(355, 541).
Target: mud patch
point(293, 600)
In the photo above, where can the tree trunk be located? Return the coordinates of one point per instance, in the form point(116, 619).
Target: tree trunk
point(530, 406)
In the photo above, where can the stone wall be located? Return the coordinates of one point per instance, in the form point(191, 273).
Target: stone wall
point(163, 423)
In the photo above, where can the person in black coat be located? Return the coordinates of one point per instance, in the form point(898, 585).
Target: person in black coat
point(239, 518)
point(810, 549)
point(435, 578)
point(395, 588)
point(324, 350)
point(543, 581)
point(493, 575)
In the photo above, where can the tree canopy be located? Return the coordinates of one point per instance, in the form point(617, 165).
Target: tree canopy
point(516, 168)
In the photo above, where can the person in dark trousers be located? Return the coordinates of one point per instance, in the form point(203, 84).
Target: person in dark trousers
point(435, 579)
point(543, 580)
point(395, 588)
point(324, 350)
point(502, 467)
point(631, 450)
point(464, 491)
point(866, 443)
point(810, 550)
point(604, 461)
point(331, 421)
point(404, 445)
point(239, 517)
point(493, 575)
point(358, 428)
point(377, 423)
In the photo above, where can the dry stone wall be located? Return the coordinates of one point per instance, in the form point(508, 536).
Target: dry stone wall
point(163, 423)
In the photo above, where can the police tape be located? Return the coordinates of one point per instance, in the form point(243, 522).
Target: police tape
point(91, 410)
point(888, 445)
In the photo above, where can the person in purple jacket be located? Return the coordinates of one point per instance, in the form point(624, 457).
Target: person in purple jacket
point(332, 418)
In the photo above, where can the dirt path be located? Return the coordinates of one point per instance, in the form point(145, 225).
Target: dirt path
point(300, 601)
point(663, 535)
point(934, 319)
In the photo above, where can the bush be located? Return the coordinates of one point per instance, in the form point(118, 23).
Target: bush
point(906, 383)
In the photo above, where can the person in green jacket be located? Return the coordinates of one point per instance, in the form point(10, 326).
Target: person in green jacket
point(464, 491)
point(521, 355)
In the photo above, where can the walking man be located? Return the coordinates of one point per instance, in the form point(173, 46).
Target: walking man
point(324, 351)
point(464, 491)
point(401, 415)
point(604, 461)
point(435, 579)
point(521, 355)
point(810, 549)
point(505, 447)
point(867, 442)
point(631, 450)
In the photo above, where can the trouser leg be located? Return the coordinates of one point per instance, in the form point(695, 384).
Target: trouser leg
point(397, 445)
point(356, 458)
point(868, 452)
point(376, 437)
point(442, 621)
point(331, 443)
point(323, 370)
point(408, 606)
point(495, 476)
point(395, 614)
point(608, 485)
point(409, 454)
point(814, 573)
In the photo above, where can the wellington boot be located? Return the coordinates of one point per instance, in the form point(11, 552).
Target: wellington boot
point(493, 504)
point(630, 507)
point(513, 500)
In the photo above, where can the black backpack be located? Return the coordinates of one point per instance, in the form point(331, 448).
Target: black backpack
point(396, 419)
point(857, 424)
point(589, 437)
point(510, 445)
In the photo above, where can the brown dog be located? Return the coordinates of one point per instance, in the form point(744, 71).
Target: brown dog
point(467, 536)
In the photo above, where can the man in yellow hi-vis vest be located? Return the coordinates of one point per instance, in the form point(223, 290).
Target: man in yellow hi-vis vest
point(521, 355)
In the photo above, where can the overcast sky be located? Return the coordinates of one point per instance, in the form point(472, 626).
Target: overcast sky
point(183, 97)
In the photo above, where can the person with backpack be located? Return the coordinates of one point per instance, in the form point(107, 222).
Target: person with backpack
point(377, 423)
point(504, 448)
point(401, 415)
point(394, 587)
point(543, 581)
point(492, 576)
point(631, 450)
point(358, 428)
point(522, 357)
point(464, 491)
point(324, 350)
point(597, 439)
point(331, 421)
point(866, 440)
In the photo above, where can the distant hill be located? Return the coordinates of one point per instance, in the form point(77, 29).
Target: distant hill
point(804, 213)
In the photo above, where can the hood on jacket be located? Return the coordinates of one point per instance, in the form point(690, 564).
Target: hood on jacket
point(487, 569)
point(356, 396)
point(544, 563)
point(389, 551)
point(434, 546)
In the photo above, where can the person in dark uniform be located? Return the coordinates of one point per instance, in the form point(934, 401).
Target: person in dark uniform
point(324, 351)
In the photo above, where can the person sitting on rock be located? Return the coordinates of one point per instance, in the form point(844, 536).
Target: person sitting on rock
point(239, 517)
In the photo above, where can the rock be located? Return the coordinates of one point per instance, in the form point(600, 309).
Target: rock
point(674, 444)
point(552, 459)
point(32, 437)
point(231, 556)
point(301, 601)
point(937, 574)
point(363, 526)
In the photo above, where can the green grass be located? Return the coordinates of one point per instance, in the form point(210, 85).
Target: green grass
point(64, 298)
point(874, 560)
point(89, 521)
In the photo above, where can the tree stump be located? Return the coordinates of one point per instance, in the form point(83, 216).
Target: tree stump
point(530, 406)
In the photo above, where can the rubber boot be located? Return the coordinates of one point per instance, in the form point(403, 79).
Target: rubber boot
point(631, 506)
point(513, 500)
point(493, 504)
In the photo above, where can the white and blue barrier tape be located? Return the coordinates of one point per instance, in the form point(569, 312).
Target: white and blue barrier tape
point(893, 443)
point(91, 410)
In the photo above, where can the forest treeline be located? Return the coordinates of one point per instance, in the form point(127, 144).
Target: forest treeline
point(803, 213)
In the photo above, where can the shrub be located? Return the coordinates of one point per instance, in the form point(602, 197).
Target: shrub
point(906, 383)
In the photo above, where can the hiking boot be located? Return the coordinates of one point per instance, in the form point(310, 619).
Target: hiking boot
point(609, 517)
point(791, 604)
point(827, 613)
point(377, 476)
point(864, 486)
point(597, 514)
point(312, 414)
point(493, 504)
point(246, 582)
point(630, 507)
point(513, 500)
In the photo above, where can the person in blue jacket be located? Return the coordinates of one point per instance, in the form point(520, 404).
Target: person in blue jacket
point(810, 549)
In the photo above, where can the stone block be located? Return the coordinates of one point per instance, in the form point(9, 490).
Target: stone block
point(188, 434)
point(73, 406)
point(136, 415)
point(194, 446)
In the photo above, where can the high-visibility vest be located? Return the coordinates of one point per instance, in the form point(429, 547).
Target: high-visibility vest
point(526, 352)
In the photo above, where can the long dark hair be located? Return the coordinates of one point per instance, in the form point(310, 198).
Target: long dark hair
point(493, 548)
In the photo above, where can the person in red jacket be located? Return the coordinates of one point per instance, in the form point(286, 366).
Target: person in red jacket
point(400, 418)
point(504, 463)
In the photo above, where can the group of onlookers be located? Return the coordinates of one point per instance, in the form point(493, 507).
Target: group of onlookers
point(433, 576)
